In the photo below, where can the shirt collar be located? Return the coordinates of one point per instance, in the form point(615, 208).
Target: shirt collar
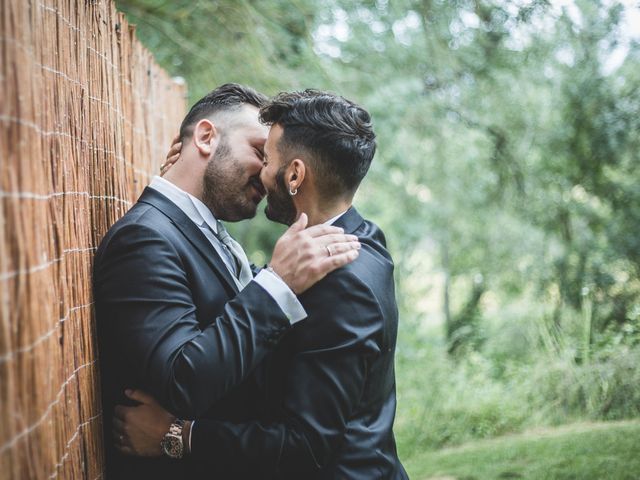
point(332, 220)
point(193, 208)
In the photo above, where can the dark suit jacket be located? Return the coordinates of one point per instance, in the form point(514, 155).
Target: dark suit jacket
point(328, 392)
point(166, 324)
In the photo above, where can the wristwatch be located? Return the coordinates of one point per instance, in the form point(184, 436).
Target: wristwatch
point(171, 444)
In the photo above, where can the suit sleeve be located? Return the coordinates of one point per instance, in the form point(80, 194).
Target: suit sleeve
point(324, 384)
point(144, 300)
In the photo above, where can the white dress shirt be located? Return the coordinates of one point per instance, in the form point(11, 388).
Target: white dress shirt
point(332, 220)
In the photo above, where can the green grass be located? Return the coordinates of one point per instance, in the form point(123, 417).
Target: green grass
point(583, 451)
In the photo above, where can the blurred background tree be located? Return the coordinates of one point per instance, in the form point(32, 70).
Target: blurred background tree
point(506, 180)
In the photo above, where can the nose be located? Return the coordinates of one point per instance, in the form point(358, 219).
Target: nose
point(254, 166)
point(262, 175)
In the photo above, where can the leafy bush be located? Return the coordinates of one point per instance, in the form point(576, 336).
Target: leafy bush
point(507, 387)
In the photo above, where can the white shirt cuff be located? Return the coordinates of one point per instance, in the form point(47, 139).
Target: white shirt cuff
point(282, 294)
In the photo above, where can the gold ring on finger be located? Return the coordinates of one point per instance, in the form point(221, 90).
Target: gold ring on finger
point(328, 250)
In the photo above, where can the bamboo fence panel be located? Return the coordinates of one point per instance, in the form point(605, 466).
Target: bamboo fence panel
point(85, 119)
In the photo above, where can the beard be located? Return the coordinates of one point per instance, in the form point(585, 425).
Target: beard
point(280, 207)
point(224, 190)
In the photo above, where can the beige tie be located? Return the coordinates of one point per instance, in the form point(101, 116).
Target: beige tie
point(236, 253)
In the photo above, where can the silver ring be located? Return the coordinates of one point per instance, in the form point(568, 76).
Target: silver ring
point(328, 250)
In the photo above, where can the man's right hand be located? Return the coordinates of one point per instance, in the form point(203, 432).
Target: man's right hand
point(303, 256)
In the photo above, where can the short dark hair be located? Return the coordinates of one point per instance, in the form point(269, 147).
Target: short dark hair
point(227, 97)
point(335, 133)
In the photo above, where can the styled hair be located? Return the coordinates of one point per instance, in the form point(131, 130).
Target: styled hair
point(225, 98)
point(335, 134)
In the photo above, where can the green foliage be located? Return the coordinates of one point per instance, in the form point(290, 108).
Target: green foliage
point(585, 452)
point(606, 388)
point(446, 402)
point(521, 378)
point(264, 44)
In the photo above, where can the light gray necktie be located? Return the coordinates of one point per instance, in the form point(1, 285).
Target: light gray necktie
point(236, 253)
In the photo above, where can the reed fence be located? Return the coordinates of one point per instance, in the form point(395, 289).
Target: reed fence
point(85, 119)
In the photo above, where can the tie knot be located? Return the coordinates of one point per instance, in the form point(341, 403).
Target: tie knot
point(223, 235)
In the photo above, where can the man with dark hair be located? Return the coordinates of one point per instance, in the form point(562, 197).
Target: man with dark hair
point(179, 311)
point(335, 137)
point(327, 394)
point(226, 98)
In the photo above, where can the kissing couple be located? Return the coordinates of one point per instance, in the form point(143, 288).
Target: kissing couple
point(214, 368)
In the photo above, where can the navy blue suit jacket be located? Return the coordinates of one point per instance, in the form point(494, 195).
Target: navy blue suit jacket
point(171, 322)
point(327, 394)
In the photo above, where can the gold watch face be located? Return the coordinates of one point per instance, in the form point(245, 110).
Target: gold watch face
point(172, 445)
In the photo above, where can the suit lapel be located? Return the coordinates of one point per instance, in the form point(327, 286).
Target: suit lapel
point(190, 231)
point(350, 221)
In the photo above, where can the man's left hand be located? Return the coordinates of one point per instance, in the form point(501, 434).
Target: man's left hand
point(303, 256)
point(139, 430)
point(172, 156)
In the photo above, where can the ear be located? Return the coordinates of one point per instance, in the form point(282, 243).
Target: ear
point(205, 137)
point(295, 174)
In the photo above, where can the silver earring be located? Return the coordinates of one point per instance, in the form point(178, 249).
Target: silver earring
point(292, 192)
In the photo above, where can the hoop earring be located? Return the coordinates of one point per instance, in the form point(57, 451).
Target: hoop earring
point(292, 192)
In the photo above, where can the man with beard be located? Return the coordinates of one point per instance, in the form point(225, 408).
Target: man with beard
point(179, 313)
point(327, 394)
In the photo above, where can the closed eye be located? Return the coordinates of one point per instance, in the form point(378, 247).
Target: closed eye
point(265, 159)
